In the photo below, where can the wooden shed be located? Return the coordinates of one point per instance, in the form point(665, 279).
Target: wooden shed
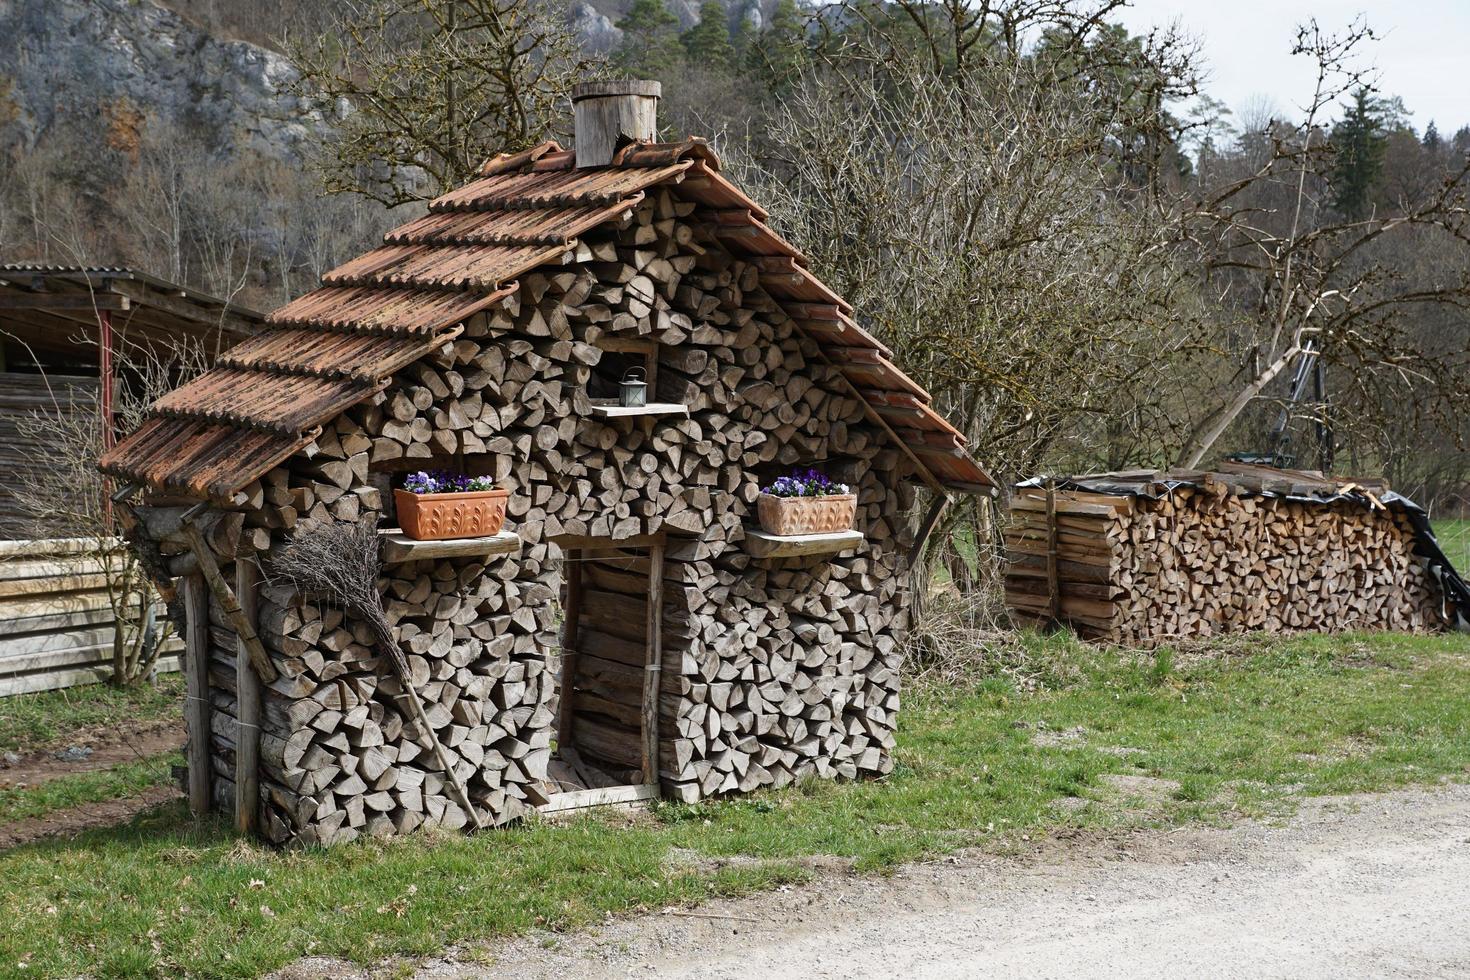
point(631, 633)
point(64, 330)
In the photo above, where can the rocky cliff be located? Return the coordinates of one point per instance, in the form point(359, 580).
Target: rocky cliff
point(120, 66)
point(596, 20)
point(131, 63)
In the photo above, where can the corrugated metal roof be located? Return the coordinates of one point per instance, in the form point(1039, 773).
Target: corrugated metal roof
point(338, 344)
point(92, 276)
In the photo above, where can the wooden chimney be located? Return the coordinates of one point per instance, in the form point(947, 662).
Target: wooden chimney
point(611, 114)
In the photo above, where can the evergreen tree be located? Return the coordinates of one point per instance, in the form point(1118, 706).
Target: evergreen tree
point(1460, 142)
point(1360, 141)
point(707, 44)
point(780, 50)
point(650, 46)
point(1431, 137)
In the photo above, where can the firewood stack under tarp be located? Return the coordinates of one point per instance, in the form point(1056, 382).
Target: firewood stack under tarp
point(1143, 556)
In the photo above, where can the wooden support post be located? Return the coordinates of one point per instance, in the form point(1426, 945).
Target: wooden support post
point(109, 420)
point(930, 519)
point(244, 629)
point(1053, 583)
point(247, 708)
point(572, 610)
point(653, 664)
point(196, 682)
point(924, 472)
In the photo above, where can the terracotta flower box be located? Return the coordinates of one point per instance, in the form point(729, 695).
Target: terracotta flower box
point(438, 516)
point(806, 515)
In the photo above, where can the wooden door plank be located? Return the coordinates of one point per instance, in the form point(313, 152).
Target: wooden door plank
point(653, 664)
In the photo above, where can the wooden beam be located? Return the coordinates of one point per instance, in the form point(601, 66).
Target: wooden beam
point(759, 544)
point(626, 345)
point(594, 543)
point(196, 684)
point(1053, 582)
point(603, 796)
point(653, 663)
point(930, 519)
point(652, 409)
point(873, 416)
point(183, 309)
point(247, 708)
point(924, 471)
point(53, 330)
point(259, 659)
point(572, 611)
point(399, 547)
point(87, 302)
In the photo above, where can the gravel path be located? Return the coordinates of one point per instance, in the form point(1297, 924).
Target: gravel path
point(1359, 886)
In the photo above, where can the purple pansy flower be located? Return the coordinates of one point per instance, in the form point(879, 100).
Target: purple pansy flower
point(440, 481)
point(804, 483)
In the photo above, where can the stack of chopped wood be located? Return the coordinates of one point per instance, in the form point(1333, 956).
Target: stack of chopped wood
point(772, 668)
point(1143, 556)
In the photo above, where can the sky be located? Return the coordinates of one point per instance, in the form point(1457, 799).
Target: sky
point(1423, 55)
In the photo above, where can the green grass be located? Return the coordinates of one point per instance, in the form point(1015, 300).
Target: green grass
point(47, 718)
point(76, 789)
point(1454, 539)
point(1245, 733)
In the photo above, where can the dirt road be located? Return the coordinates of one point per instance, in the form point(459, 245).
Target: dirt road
point(1360, 886)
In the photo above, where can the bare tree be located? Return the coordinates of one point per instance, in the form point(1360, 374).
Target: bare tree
point(1304, 282)
point(60, 492)
point(421, 91)
point(155, 199)
point(981, 224)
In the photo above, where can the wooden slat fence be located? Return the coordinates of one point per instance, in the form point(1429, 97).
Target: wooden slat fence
point(22, 397)
point(56, 627)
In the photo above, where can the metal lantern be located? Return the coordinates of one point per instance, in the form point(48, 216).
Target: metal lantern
point(633, 391)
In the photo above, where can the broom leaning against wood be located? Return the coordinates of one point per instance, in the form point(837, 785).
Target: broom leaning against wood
point(340, 561)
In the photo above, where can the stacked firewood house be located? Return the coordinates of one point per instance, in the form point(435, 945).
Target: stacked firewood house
point(630, 631)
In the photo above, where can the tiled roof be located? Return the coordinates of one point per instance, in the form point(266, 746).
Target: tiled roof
point(339, 344)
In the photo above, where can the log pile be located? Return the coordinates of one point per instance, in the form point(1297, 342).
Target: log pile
point(772, 669)
point(1141, 557)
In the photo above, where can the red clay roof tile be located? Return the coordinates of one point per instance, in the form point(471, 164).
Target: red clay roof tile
point(287, 404)
point(503, 162)
point(199, 458)
point(541, 226)
point(458, 267)
point(384, 311)
point(364, 356)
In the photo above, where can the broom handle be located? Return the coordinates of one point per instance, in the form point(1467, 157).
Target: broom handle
point(400, 667)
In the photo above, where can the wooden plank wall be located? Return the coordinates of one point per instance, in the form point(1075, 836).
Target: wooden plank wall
point(56, 627)
point(23, 396)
